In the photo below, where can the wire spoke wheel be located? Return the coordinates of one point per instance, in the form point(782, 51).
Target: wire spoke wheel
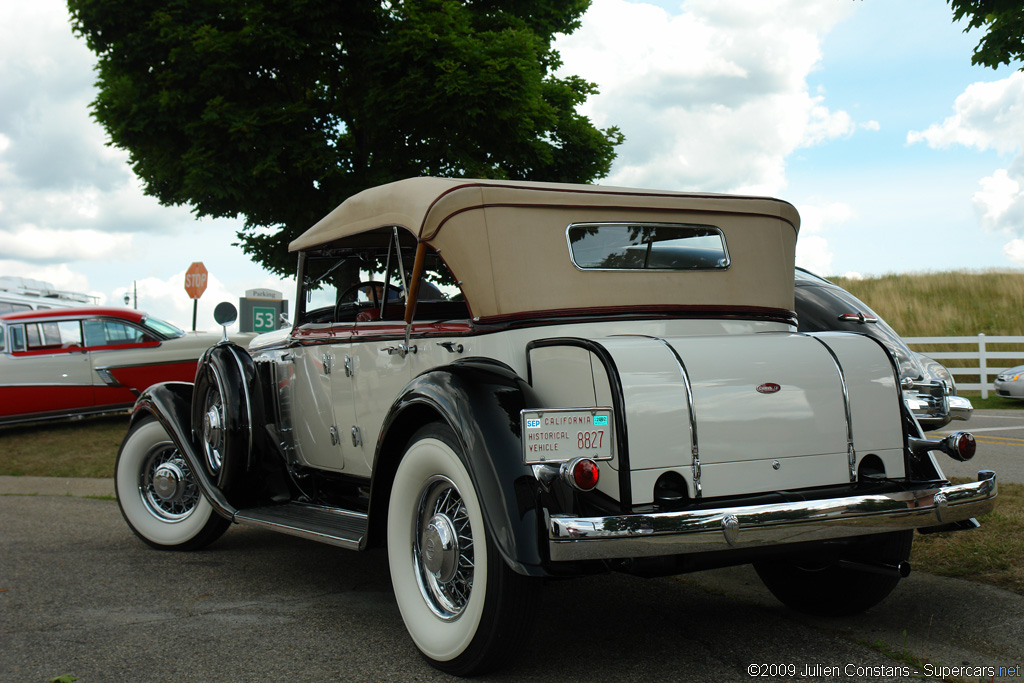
point(465, 608)
point(444, 549)
point(166, 483)
point(158, 494)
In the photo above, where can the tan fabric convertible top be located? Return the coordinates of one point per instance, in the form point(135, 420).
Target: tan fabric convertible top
point(505, 241)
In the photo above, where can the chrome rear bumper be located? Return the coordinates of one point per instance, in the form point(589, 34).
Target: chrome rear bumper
point(674, 533)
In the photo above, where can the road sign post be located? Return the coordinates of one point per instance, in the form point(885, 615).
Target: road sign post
point(261, 310)
point(195, 284)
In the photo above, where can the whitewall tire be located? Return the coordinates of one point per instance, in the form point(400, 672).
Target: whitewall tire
point(157, 493)
point(465, 608)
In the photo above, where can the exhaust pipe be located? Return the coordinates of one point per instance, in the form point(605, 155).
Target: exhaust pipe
point(900, 569)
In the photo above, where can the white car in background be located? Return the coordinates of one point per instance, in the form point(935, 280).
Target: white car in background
point(1010, 383)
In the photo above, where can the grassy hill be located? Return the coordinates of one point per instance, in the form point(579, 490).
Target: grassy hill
point(950, 304)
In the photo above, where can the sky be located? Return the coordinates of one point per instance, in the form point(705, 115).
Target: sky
point(867, 115)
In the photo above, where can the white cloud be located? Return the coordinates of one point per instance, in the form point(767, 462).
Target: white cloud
point(998, 196)
point(989, 116)
point(812, 253)
point(712, 98)
point(815, 218)
point(812, 248)
point(32, 243)
point(60, 275)
point(986, 116)
point(1014, 251)
point(64, 194)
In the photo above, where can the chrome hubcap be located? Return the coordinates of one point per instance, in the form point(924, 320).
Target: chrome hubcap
point(168, 482)
point(166, 486)
point(443, 551)
point(213, 436)
point(440, 548)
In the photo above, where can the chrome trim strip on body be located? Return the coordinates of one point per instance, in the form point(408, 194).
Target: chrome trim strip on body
point(152, 364)
point(107, 377)
point(112, 409)
point(691, 406)
point(673, 533)
point(62, 385)
point(851, 453)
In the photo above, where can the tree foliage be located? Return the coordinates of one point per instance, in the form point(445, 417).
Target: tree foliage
point(1003, 21)
point(277, 110)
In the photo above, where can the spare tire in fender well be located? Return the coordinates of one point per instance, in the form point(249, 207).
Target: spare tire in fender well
point(227, 372)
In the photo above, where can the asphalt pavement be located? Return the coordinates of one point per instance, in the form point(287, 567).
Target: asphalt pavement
point(80, 595)
point(1000, 439)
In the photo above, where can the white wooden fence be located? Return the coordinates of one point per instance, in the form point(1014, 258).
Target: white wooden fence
point(990, 356)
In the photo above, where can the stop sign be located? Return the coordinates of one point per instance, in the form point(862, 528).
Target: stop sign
point(195, 280)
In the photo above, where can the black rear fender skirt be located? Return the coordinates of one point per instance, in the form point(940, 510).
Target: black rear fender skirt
point(481, 401)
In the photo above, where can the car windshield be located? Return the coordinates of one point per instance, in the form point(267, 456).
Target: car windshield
point(163, 328)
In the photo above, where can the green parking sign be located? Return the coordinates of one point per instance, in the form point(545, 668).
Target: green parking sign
point(263, 319)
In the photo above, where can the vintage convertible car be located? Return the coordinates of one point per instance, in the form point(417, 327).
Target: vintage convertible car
point(89, 360)
point(505, 381)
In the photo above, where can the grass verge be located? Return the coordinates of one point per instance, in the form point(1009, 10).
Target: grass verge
point(993, 402)
point(74, 448)
point(946, 304)
point(993, 554)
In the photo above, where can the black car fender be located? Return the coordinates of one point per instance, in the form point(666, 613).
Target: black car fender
point(480, 400)
point(226, 376)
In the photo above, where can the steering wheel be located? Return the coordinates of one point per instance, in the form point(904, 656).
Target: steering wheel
point(372, 287)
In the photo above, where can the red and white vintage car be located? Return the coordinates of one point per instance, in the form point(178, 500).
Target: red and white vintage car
point(80, 361)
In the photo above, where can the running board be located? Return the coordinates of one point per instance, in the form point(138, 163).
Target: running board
point(333, 526)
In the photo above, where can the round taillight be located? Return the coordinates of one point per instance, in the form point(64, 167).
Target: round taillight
point(960, 446)
point(582, 473)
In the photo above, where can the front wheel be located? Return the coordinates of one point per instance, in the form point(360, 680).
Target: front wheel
point(465, 608)
point(829, 589)
point(158, 495)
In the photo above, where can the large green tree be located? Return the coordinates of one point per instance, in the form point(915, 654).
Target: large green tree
point(276, 110)
point(1003, 21)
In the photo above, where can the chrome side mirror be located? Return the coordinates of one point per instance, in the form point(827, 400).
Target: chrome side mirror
point(225, 314)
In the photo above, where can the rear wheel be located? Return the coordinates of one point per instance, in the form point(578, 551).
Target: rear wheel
point(829, 589)
point(158, 495)
point(464, 607)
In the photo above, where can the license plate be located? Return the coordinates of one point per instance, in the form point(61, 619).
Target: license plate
point(561, 434)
